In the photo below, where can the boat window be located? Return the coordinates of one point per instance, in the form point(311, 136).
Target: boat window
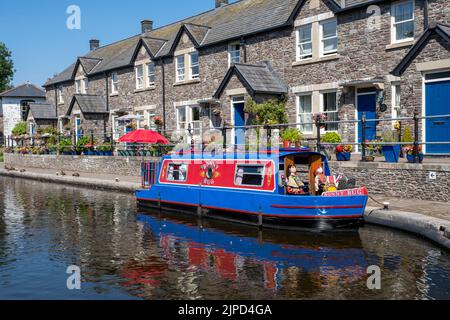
point(177, 172)
point(248, 175)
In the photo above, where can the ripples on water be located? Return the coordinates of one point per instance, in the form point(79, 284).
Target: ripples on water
point(125, 254)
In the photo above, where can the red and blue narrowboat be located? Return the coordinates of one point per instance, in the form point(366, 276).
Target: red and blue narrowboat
point(255, 189)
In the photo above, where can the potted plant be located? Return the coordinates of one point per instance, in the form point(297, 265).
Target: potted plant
point(371, 149)
point(291, 136)
point(409, 150)
point(391, 152)
point(320, 119)
point(80, 146)
point(330, 139)
point(158, 121)
point(344, 152)
point(65, 147)
point(106, 149)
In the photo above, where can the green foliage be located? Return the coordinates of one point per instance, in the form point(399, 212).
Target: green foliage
point(20, 129)
point(106, 147)
point(331, 137)
point(292, 135)
point(65, 145)
point(269, 112)
point(389, 136)
point(6, 68)
point(82, 142)
point(407, 135)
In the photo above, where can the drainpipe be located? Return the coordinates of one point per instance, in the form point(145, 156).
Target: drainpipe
point(425, 15)
point(56, 106)
point(164, 95)
point(107, 104)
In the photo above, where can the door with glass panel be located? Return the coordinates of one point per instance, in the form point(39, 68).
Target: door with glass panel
point(188, 118)
point(304, 119)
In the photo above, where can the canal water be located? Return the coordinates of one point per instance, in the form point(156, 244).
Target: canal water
point(127, 254)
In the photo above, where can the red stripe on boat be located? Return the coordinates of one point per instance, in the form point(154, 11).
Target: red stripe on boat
point(279, 206)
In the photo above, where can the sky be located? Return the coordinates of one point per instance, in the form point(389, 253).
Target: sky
point(36, 31)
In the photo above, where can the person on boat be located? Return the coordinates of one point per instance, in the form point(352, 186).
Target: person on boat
point(295, 185)
point(320, 180)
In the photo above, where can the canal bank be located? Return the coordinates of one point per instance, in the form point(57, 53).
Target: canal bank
point(429, 219)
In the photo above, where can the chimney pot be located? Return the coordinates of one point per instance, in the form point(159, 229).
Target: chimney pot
point(220, 3)
point(146, 25)
point(94, 44)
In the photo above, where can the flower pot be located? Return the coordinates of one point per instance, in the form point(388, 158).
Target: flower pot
point(108, 153)
point(343, 156)
point(369, 159)
point(410, 158)
point(286, 144)
point(391, 153)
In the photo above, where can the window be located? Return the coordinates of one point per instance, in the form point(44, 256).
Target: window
point(141, 123)
point(114, 83)
point(181, 118)
point(150, 74)
point(396, 92)
point(60, 95)
point(195, 66)
point(177, 172)
point(78, 86)
point(189, 116)
point(304, 41)
point(329, 37)
point(180, 68)
point(402, 19)
point(139, 77)
point(234, 54)
point(195, 120)
point(248, 175)
point(305, 113)
point(85, 82)
point(329, 107)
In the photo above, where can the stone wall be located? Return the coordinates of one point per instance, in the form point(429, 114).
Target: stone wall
point(399, 180)
point(120, 166)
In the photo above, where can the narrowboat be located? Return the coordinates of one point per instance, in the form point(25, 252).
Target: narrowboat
point(255, 188)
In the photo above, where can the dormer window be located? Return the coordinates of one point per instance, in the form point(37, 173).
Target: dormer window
point(60, 95)
point(402, 21)
point(329, 37)
point(180, 68)
point(140, 77)
point(150, 74)
point(195, 66)
point(81, 86)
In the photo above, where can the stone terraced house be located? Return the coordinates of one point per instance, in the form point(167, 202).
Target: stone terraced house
point(341, 57)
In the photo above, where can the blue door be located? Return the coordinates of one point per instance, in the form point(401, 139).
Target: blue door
point(239, 121)
point(437, 102)
point(367, 103)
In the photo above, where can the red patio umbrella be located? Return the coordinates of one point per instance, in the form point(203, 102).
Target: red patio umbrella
point(144, 136)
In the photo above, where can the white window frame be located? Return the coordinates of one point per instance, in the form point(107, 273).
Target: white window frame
point(394, 24)
point(395, 88)
point(324, 53)
point(150, 82)
point(114, 83)
point(298, 98)
point(299, 55)
point(190, 119)
point(192, 75)
point(60, 94)
point(180, 72)
point(140, 80)
point(232, 53)
point(322, 108)
point(78, 86)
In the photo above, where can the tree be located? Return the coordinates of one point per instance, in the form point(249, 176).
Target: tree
point(6, 68)
point(269, 112)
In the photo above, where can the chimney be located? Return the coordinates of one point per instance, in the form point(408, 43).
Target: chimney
point(94, 44)
point(146, 25)
point(220, 3)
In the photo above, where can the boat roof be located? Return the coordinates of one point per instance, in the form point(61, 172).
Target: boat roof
point(261, 155)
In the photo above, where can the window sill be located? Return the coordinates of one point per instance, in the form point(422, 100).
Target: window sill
point(312, 61)
point(399, 45)
point(60, 104)
point(145, 89)
point(114, 94)
point(186, 82)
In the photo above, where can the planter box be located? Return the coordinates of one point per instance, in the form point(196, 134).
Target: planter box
point(410, 158)
point(343, 156)
point(391, 153)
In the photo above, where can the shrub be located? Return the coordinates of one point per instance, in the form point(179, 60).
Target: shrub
point(292, 135)
point(407, 135)
point(20, 129)
point(331, 137)
point(65, 145)
point(269, 112)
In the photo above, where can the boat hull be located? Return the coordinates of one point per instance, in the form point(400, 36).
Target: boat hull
point(260, 209)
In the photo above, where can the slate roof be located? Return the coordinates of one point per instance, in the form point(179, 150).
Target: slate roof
point(258, 79)
point(441, 30)
point(226, 23)
point(43, 111)
point(89, 104)
point(26, 90)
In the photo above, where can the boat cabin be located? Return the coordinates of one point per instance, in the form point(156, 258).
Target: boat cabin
point(262, 172)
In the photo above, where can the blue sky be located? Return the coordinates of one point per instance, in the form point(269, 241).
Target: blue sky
point(36, 32)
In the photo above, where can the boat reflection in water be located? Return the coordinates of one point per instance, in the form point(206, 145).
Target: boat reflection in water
point(232, 251)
